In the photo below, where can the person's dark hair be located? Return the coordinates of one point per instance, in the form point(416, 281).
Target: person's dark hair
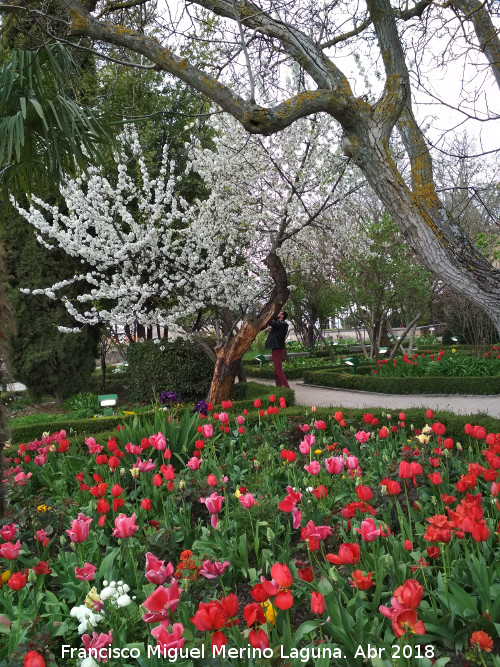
point(285, 314)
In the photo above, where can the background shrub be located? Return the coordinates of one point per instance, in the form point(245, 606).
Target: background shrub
point(180, 366)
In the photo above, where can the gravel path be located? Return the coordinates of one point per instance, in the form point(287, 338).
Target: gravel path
point(325, 397)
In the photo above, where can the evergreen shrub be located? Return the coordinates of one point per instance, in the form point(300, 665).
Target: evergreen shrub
point(179, 366)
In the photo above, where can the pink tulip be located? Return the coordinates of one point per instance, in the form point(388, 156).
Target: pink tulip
point(247, 500)
point(296, 518)
point(21, 479)
point(223, 418)
point(158, 442)
point(207, 430)
point(144, 466)
point(213, 504)
point(304, 448)
point(167, 641)
point(313, 468)
point(194, 463)
point(240, 420)
point(156, 572)
point(94, 447)
point(133, 449)
point(10, 551)
point(161, 602)
point(369, 531)
point(97, 642)
point(8, 532)
point(362, 436)
point(335, 465)
point(125, 526)
point(213, 570)
point(79, 530)
point(352, 462)
point(86, 573)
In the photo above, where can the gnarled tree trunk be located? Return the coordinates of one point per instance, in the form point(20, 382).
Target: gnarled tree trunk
point(229, 355)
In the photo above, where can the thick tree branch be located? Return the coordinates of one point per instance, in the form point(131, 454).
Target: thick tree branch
point(254, 118)
point(397, 85)
point(295, 42)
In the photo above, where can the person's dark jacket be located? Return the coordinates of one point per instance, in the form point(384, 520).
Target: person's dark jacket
point(277, 335)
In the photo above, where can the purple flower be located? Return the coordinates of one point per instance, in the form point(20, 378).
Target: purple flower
point(201, 407)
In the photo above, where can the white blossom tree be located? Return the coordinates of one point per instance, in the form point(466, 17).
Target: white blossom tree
point(404, 43)
point(158, 260)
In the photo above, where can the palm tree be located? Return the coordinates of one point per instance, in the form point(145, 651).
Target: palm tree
point(44, 133)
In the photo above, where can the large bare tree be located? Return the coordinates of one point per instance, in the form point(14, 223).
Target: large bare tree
point(256, 38)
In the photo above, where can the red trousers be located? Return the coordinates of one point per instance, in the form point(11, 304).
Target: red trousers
point(277, 356)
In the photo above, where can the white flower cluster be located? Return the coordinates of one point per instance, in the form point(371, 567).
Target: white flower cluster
point(158, 260)
point(116, 593)
point(88, 618)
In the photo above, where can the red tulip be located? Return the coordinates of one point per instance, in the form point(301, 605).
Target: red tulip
point(86, 573)
point(33, 659)
point(348, 555)
point(283, 577)
point(42, 567)
point(438, 428)
point(253, 614)
point(116, 490)
point(209, 616)
point(364, 492)
point(481, 641)
point(406, 621)
point(258, 639)
point(361, 581)
point(174, 641)
point(161, 602)
point(17, 581)
point(318, 605)
point(409, 595)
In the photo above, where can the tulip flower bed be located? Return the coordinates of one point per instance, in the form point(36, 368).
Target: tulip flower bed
point(442, 364)
point(197, 540)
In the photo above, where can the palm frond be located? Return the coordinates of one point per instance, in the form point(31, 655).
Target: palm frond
point(41, 124)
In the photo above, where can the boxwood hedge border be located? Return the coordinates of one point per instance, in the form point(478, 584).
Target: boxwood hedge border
point(354, 419)
point(244, 393)
point(483, 386)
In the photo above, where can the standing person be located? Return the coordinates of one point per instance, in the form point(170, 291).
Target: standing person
point(276, 342)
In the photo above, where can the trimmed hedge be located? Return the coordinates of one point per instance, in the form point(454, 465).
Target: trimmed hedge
point(296, 373)
point(81, 427)
point(455, 424)
point(180, 366)
point(416, 385)
point(114, 384)
point(244, 393)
